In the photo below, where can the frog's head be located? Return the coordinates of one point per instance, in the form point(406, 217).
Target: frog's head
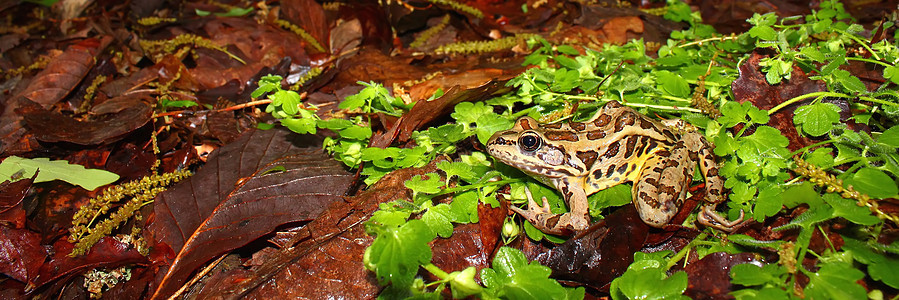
point(525, 147)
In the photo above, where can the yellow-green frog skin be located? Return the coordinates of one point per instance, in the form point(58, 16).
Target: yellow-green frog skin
point(617, 145)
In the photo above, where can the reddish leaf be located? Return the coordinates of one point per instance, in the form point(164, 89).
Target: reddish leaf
point(108, 253)
point(709, 277)
point(310, 16)
point(51, 126)
point(216, 211)
point(64, 72)
point(21, 253)
point(11, 195)
point(753, 87)
point(329, 252)
point(601, 254)
point(426, 111)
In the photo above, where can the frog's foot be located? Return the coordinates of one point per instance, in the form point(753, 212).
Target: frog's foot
point(709, 217)
point(546, 221)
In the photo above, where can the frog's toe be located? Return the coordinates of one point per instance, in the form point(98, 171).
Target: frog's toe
point(709, 217)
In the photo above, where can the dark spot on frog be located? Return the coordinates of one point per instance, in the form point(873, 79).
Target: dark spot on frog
point(645, 124)
point(596, 134)
point(667, 189)
point(612, 150)
point(625, 119)
point(561, 136)
point(622, 169)
point(525, 124)
point(712, 172)
point(610, 170)
point(694, 156)
point(578, 126)
point(587, 157)
point(552, 221)
point(597, 174)
point(630, 145)
point(553, 126)
point(603, 120)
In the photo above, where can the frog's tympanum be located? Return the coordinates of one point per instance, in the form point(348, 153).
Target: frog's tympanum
point(617, 145)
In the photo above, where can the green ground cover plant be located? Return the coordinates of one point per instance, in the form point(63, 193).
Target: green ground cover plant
point(839, 177)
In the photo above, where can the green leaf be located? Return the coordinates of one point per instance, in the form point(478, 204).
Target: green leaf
point(873, 182)
point(645, 279)
point(512, 277)
point(616, 195)
point(849, 210)
point(564, 80)
point(817, 119)
point(891, 73)
point(464, 208)
point(835, 280)
point(438, 218)
point(890, 136)
point(880, 267)
point(763, 33)
point(468, 113)
point(356, 132)
point(749, 274)
point(732, 113)
point(765, 145)
point(768, 203)
point(396, 253)
point(462, 170)
point(14, 168)
point(431, 185)
point(850, 82)
point(567, 49)
point(821, 157)
point(489, 124)
point(803, 193)
point(673, 84)
point(745, 240)
point(301, 126)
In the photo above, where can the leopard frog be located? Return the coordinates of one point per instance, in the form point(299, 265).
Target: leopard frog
point(617, 145)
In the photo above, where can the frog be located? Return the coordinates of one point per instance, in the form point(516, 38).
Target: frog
point(616, 145)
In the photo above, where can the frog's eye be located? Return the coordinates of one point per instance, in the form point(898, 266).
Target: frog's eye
point(530, 141)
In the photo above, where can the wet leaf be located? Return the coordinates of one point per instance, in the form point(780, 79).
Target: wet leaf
point(21, 253)
point(212, 212)
point(52, 126)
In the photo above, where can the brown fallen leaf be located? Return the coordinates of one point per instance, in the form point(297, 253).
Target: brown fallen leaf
point(21, 253)
point(326, 260)
point(600, 254)
point(52, 126)
point(64, 72)
point(107, 253)
point(11, 194)
point(753, 87)
point(239, 196)
point(709, 277)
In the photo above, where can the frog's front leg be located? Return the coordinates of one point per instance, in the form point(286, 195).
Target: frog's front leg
point(561, 224)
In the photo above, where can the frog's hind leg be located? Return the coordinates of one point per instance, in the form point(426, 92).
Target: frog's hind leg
point(714, 185)
point(661, 188)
